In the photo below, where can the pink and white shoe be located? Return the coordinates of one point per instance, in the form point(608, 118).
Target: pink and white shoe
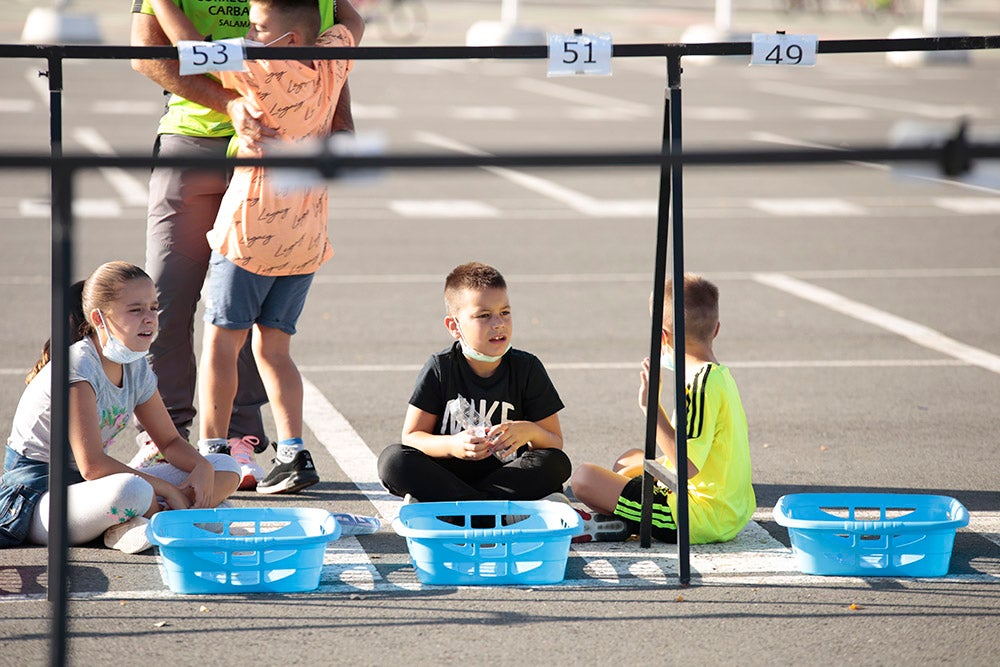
point(242, 450)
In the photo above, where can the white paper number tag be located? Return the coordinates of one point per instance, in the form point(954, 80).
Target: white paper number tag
point(779, 49)
point(201, 57)
point(577, 54)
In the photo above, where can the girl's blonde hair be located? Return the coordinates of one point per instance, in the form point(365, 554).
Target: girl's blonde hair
point(102, 287)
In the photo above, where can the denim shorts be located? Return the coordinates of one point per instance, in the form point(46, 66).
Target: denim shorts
point(238, 299)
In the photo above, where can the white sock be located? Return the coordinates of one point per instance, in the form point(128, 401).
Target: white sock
point(287, 449)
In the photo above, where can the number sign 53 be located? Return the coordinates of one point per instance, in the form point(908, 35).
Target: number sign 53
point(201, 57)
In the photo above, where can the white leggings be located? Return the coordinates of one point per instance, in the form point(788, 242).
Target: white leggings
point(95, 505)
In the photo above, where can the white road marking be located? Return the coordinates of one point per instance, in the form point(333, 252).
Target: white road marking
point(483, 113)
point(374, 111)
point(132, 191)
point(840, 97)
point(349, 451)
point(809, 207)
point(583, 97)
point(969, 205)
point(442, 208)
point(10, 105)
point(723, 114)
point(579, 278)
point(834, 113)
point(917, 333)
point(584, 204)
point(82, 208)
point(632, 365)
point(127, 108)
point(38, 83)
point(768, 137)
point(986, 524)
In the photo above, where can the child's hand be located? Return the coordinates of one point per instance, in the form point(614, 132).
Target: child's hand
point(247, 123)
point(506, 439)
point(470, 447)
point(175, 498)
point(199, 485)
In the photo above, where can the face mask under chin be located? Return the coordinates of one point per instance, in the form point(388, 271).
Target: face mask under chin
point(115, 350)
point(472, 353)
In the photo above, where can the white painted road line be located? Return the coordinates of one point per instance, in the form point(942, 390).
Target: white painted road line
point(917, 333)
point(442, 208)
point(584, 204)
point(82, 208)
point(606, 103)
point(840, 98)
point(347, 448)
point(808, 207)
point(129, 188)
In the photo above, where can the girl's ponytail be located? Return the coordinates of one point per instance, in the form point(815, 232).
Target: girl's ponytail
point(78, 328)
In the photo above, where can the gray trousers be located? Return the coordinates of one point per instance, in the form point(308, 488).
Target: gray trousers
point(183, 204)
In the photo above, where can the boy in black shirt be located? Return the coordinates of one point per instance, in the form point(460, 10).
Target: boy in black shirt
point(439, 458)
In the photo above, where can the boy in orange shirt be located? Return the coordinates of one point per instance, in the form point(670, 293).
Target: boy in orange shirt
point(268, 242)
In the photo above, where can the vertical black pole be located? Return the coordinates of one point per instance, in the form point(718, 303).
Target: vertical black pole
point(680, 391)
point(656, 326)
point(62, 203)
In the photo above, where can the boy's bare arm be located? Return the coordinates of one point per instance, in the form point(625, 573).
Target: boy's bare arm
point(666, 437)
point(349, 17)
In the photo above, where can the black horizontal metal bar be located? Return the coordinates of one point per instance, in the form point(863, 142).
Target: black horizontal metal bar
point(565, 160)
point(102, 52)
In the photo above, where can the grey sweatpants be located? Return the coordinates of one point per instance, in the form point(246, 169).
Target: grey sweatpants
point(183, 204)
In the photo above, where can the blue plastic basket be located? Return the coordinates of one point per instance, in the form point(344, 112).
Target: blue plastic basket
point(525, 542)
point(871, 534)
point(242, 550)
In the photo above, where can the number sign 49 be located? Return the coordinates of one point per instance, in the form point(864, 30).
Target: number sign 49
point(577, 53)
point(779, 49)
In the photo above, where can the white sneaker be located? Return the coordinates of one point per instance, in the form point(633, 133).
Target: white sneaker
point(557, 497)
point(242, 450)
point(128, 536)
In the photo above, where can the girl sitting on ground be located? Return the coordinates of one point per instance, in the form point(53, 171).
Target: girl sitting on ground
point(113, 320)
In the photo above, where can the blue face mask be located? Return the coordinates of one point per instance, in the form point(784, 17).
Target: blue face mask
point(471, 353)
point(115, 350)
point(667, 360)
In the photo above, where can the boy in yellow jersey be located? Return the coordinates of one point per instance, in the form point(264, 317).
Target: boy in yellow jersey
point(720, 495)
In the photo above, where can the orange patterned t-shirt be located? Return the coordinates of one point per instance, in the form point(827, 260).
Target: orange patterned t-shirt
point(262, 228)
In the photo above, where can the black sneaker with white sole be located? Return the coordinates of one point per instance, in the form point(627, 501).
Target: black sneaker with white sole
point(290, 477)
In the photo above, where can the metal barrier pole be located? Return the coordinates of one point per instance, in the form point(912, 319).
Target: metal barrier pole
point(671, 203)
point(62, 223)
point(680, 384)
point(656, 326)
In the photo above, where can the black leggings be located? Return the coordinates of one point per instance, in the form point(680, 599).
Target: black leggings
point(534, 474)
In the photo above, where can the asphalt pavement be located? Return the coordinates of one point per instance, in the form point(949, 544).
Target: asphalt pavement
point(859, 315)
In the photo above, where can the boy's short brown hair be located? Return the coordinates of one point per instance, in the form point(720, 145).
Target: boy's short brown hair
point(304, 14)
point(701, 307)
point(474, 276)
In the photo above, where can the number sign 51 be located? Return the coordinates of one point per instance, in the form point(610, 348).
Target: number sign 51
point(580, 54)
point(781, 49)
